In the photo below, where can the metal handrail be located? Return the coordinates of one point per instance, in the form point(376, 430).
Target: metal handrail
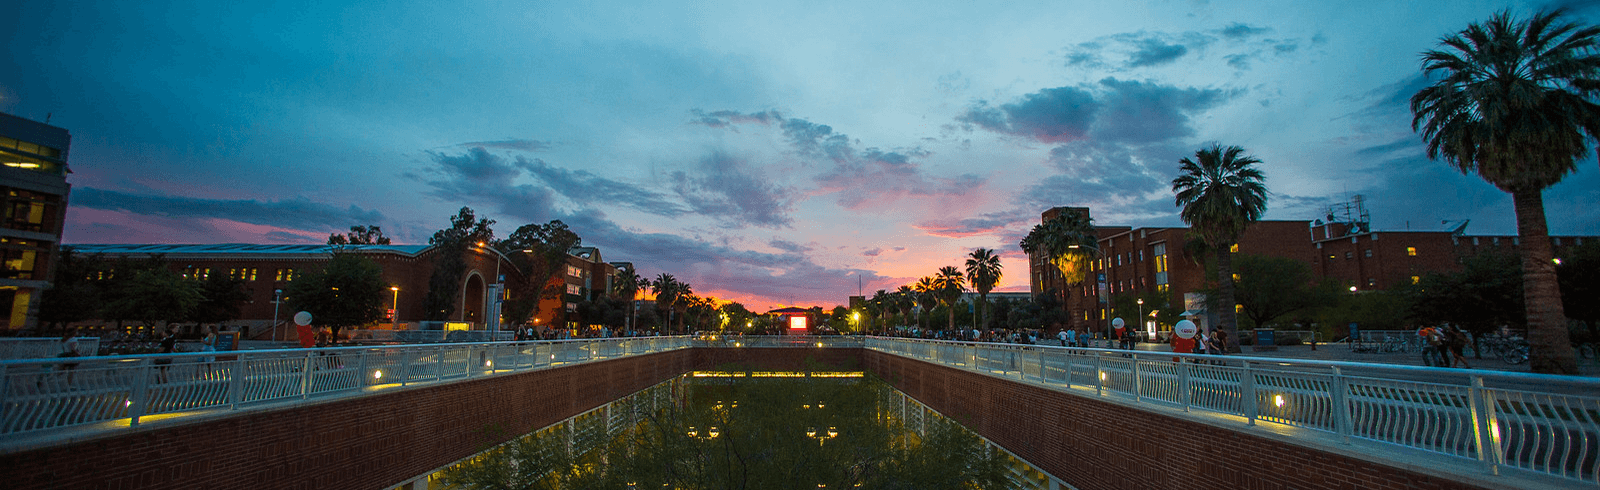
point(1545, 424)
point(105, 393)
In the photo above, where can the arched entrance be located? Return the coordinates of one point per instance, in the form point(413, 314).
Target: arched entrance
point(472, 300)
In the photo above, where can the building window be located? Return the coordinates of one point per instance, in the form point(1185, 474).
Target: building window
point(1233, 248)
point(285, 275)
point(1349, 255)
point(1372, 282)
point(1416, 279)
point(1160, 253)
point(242, 274)
point(1369, 253)
point(574, 290)
point(1411, 251)
point(574, 271)
point(1332, 256)
point(1141, 255)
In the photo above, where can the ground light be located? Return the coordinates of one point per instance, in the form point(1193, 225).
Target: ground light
point(377, 374)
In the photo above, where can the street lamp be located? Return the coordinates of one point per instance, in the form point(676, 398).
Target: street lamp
point(1142, 323)
point(499, 288)
point(394, 315)
point(277, 297)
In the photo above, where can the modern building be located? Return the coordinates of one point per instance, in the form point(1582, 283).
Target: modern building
point(33, 178)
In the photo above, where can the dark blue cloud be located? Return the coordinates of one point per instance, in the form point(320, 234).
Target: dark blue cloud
point(1152, 52)
point(727, 188)
point(297, 213)
point(1144, 112)
point(817, 140)
point(1241, 31)
point(1051, 115)
point(724, 119)
point(587, 189)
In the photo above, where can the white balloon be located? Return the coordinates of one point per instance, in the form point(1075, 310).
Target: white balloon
point(302, 318)
point(1185, 329)
point(1117, 322)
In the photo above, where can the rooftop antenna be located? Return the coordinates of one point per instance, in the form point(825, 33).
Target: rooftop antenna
point(858, 284)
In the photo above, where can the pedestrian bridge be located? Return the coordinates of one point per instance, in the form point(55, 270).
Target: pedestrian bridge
point(367, 417)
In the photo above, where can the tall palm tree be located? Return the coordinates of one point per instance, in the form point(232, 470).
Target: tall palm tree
point(627, 285)
point(927, 296)
point(906, 299)
point(1221, 193)
point(882, 306)
point(1513, 103)
point(1069, 242)
point(983, 272)
point(671, 290)
point(947, 289)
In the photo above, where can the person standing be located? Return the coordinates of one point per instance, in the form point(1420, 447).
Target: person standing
point(209, 344)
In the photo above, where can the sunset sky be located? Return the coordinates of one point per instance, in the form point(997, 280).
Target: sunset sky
point(773, 153)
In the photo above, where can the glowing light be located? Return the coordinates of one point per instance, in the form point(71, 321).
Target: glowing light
point(1277, 400)
point(489, 363)
point(1102, 375)
point(377, 374)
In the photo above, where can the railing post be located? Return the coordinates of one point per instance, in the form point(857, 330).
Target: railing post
point(439, 373)
point(1247, 393)
point(1138, 384)
point(305, 375)
point(405, 366)
point(362, 372)
point(236, 377)
point(1183, 382)
point(1099, 375)
point(1485, 426)
point(138, 396)
point(1066, 368)
point(1341, 405)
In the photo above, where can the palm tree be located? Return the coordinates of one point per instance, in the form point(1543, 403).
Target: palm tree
point(1221, 193)
point(1070, 243)
point(881, 306)
point(926, 297)
point(906, 299)
point(627, 285)
point(1513, 103)
point(983, 271)
point(668, 288)
point(947, 289)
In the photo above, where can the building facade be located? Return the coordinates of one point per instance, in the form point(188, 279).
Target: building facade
point(33, 182)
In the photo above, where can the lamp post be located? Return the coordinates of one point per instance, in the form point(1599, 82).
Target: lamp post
point(1141, 312)
point(394, 315)
point(492, 317)
point(277, 298)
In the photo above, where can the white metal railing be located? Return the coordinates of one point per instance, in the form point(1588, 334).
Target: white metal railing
point(113, 392)
point(791, 341)
point(426, 336)
point(1541, 423)
point(42, 347)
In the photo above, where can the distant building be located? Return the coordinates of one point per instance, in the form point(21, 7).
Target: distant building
point(33, 178)
point(268, 269)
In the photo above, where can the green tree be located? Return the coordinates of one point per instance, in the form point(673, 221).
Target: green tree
point(1221, 193)
point(1483, 296)
point(927, 296)
point(359, 235)
point(948, 285)
point(449, 263)
point(1513, 102)
point(627, 285)
point(151, 295)
point(75, 292)
point(1270, 288)
point(348, 292)
point(1068, 241)
point(222, 296)
point(1579, 275)
point(983, 271)
point(540, 252)
point(670, 293)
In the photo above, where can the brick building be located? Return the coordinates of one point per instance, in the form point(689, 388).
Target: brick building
point(1156, 260)
point(267, 270)
point(33, 182)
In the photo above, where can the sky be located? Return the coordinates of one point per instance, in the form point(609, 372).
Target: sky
point(772, 153)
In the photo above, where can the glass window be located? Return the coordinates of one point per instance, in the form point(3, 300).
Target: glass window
point(574, 289)
point(1412, 251)
point(1369, 252)
point(1416, 279)
point(1349, 255)
point(1234, 248)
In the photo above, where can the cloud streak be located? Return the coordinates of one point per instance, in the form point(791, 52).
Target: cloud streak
point(297, 213)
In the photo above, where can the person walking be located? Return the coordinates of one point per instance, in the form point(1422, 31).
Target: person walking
point(1454, 342)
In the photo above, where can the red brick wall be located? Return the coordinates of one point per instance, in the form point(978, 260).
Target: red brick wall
point(361, 443)
point(1095, 444)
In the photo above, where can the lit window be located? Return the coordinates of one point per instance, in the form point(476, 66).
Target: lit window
point(1332, 256)
point(1235, 278)
point(1412, 251)
point(1234, 248)
point(574, 289)
point(1416, 279)
point(285, 275)
point(1238, 308)
point(1372, 282)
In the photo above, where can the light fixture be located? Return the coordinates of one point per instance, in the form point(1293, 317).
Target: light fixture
point(377, 374)
point(1277, 400)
